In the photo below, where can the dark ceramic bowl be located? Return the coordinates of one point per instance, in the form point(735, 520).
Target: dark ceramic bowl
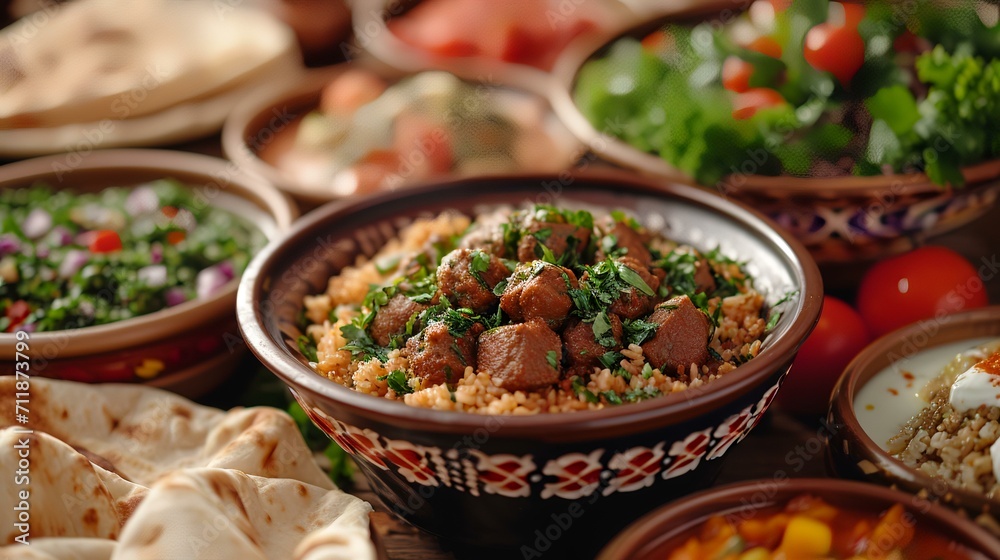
point(493, 481)
point(841, 220)
point(197, 342)
point(654, 536)
point(873, 400)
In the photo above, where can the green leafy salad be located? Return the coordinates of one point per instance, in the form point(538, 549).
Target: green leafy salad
point(807, 88)
point(70, 260)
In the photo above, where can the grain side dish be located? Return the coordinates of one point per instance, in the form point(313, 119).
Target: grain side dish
point(70, 260)
point(956, 437)
point(809, 527)
point(542, 309)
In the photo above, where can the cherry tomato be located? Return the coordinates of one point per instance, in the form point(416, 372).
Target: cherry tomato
point(851, 12)
point(736, 74)
point(780, 5)
point(925, 283)
point(749, 102)
point(839, 50)
point(169, 211)
point(766, 46)
point(176, 236)
point(839, 335)
point(105, 241)
point(17, 312)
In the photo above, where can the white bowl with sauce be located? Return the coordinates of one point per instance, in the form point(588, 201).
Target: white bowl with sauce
point(880, 391)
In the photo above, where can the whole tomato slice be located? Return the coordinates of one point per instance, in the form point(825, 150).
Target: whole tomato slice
point(925, 283)
point(839, 335)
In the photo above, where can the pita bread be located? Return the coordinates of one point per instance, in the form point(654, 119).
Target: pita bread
point(142, 433)
point(91, 60)
point(132, 472)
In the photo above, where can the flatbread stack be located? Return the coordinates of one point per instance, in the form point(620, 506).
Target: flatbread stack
point(126, 69)
point(132, 472)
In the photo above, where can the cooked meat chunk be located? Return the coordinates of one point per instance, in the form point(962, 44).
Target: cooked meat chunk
point(555, 236)
point(583, 351)
point(539, 290)
point(437, 357)
point(703, 278)
point(467, 278)
point(629, 239)
point(632, 303)
point(521, 356)
point(681, 339)
point(390, 320)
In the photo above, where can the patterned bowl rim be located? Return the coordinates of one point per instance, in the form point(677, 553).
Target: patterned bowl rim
point(649, 413)
point(873, 359)
point(124, 167)
point(608, 146)
point(651, 532)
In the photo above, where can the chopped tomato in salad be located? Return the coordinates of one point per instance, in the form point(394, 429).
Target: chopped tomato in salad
point(75, 260)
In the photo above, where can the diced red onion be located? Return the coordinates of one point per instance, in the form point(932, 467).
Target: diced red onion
point(61, 236)
point(153, 276)
point(142, 200)
point(9, 243)
point(226, 268)
point(37, 223)
point(156, 253)
point(30, 327)
point(185, 219)
point(73, 262)
point(210, 281)
point(175, 296)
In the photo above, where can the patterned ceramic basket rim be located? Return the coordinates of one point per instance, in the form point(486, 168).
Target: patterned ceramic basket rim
point(647, 414)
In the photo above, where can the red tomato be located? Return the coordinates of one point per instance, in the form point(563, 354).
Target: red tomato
point(105, 241)
point(17, 312)
point(852, 13)
point(839, 335)
point(837, 50)
point(925, 283)
point(175, 237)
point(736, 74)
point(781, 5)
point(749, 102)
point(766, 46)
point(169, 211)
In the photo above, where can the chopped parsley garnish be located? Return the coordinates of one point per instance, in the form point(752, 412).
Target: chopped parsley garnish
point(611, 360)
point(580, 389)
point(647, 371)
point(552, 358)
point(458, 321)
point(605, 282)
point(637, 331)
point(636, 395)
point(308, 347)
point(397, 381)
point(774, 316)
point(633, 278)
point(603, 332)
point(478, 264)
point(360, 343)
point(612, 397)
point(498, 290)
point(623, 218)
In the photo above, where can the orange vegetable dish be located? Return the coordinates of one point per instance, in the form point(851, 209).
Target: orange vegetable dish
point(809, 528)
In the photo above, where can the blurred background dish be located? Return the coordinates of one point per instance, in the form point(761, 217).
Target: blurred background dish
point(190, 344)
point(861, 142)
point(104, 73)
point(346, 130)
point(814, 517)
point(529, 468)
point(510, 43)
point(884, 387)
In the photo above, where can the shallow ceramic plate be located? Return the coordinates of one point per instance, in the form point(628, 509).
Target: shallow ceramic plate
point(260, 134)
point(182, 122)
